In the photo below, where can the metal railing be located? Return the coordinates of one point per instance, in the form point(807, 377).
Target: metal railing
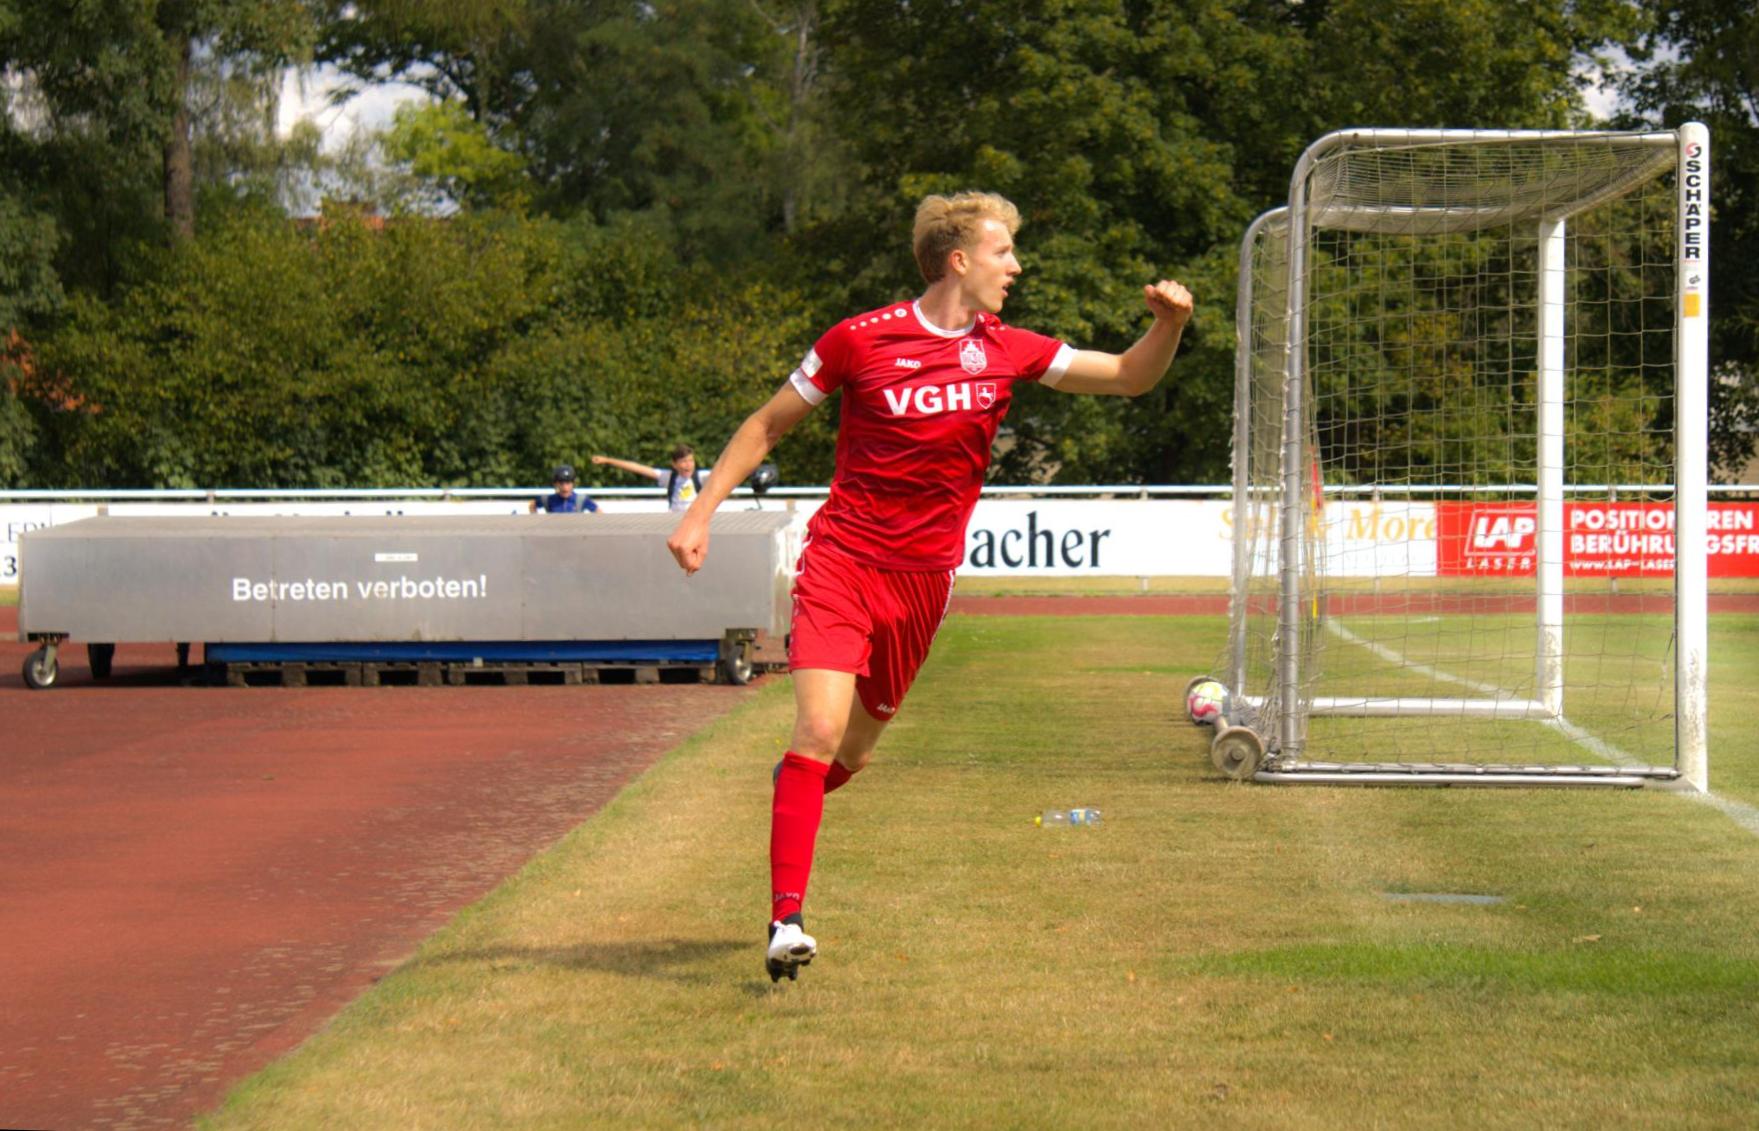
point(1114, 491)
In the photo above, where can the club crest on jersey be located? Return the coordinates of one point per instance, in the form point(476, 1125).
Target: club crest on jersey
point(971, 356)
point(986, 393)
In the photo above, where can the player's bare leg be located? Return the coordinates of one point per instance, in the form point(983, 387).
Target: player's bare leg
point(822, 701)
point(860, 736)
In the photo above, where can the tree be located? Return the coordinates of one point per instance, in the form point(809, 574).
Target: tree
point(124, 70)
point(349, 352)
point(1140, 138)
point(1699, 60)
point(29, 288)
point(693, 110)
point(468, 50)
point(450, 154)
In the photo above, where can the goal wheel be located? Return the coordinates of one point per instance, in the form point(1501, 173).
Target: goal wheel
point(99, 658)
point(41, 669)
point(1237, 752)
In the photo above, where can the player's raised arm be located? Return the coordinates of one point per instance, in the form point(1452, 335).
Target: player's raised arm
point(748, 447)
point(1139, 368)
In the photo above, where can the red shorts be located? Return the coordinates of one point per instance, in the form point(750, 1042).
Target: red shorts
point(876, 623)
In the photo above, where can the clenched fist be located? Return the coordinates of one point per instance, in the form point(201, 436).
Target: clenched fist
point(1169, 300)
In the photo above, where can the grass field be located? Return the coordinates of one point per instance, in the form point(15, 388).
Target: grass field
point(1213, 954)
point(975, 586)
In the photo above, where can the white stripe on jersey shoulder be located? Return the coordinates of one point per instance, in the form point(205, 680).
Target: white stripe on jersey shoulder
point(1059, 365)
point(922, 318)
point(802, 381)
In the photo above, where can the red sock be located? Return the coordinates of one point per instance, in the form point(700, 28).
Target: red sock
point(838, 776)
point(794, 815)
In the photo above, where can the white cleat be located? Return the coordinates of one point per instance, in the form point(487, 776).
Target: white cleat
point(790, 949)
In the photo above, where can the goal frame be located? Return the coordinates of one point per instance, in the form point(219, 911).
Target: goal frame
point(1685, 152)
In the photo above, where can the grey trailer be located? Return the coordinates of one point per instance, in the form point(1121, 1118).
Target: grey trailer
point(454, 589)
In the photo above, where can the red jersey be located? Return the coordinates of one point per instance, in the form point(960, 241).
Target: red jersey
point(920, 410)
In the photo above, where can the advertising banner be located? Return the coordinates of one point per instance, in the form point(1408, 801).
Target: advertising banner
point(1098, 537)
point(1601, 539)
point(1155, 537)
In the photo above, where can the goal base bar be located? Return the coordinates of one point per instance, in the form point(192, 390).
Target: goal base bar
point(1416, 773)
point(1391, 707)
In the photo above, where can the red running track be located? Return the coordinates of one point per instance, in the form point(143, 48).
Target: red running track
point(196, 878)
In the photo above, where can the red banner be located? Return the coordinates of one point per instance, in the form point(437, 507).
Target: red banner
point(1600, 539)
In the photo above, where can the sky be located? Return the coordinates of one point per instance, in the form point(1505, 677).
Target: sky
point(305, 94)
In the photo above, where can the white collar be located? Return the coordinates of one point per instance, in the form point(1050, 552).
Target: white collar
point(922, 318)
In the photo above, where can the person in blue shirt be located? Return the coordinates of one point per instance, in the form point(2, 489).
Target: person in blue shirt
point(565, 499)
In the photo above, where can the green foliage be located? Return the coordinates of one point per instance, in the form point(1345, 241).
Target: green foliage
point(1140, 140)
point(452, 153)
point(17, 434)
point(667, 201)
point(466, 351)
point(451, 48)
point(1700, 62)
point(110, 96)
point(29, 286)
point(669, 108)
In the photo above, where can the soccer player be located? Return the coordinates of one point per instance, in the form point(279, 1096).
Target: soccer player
point(925, 384)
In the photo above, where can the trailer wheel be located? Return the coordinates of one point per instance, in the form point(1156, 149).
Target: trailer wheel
point(1237, 752)
point(41, 669)
point(736, 668)
point(99, 657)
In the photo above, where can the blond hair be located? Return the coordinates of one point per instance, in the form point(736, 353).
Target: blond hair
point(945, 223)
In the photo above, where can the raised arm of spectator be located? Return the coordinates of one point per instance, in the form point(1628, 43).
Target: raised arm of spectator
point(630, 466)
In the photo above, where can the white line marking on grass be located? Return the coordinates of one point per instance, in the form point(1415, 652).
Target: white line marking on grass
point(1591, 743)
point(1739, 812)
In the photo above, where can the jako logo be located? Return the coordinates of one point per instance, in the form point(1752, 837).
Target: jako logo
point(1502, 533)
point(907, 363)
point(929, 400)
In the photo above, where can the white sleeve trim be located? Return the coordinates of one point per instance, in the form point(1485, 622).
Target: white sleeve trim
point(1059, 365)
point(804, 386)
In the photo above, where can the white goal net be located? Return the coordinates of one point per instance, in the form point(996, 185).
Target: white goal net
point(1469, 462)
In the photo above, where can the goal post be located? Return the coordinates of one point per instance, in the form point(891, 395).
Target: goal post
point(1491, 344)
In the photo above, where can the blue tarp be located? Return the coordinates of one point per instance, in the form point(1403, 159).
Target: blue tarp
point(465, 651)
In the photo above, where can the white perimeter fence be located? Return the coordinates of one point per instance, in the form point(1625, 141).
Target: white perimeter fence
point(1093, 531)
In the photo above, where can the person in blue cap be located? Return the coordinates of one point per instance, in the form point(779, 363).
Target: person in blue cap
point(565, 499)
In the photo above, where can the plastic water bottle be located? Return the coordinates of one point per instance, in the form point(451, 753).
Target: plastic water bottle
point(1057, 818)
